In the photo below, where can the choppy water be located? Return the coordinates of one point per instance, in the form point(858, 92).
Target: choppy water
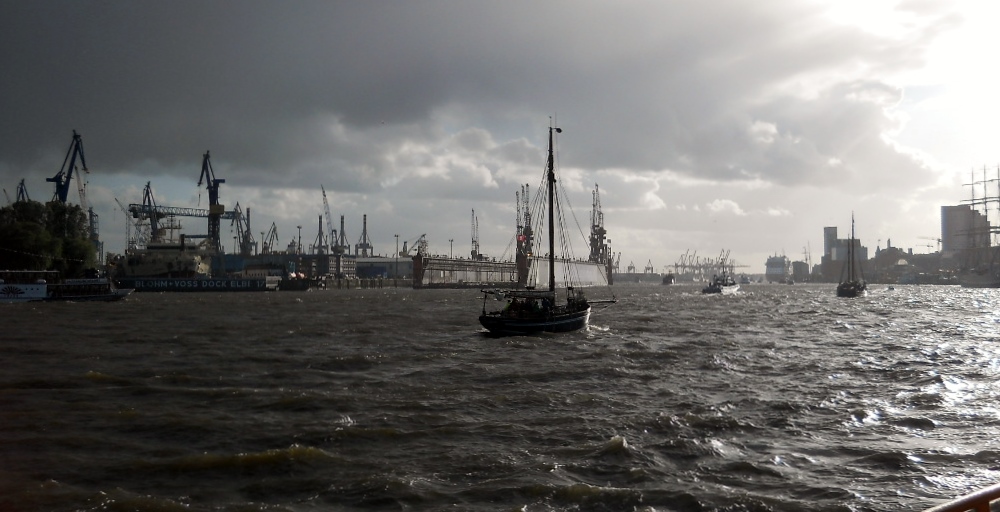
point(781, 398)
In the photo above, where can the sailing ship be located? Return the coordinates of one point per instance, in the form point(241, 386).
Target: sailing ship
point(529, 310)
point(854, 285)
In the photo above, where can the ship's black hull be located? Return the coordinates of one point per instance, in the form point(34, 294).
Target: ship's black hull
point(501, 323)
point(852, 289)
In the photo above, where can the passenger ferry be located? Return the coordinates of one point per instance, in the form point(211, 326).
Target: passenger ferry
point(46, 285)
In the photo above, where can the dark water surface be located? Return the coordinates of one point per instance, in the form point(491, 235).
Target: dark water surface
point(781, 398)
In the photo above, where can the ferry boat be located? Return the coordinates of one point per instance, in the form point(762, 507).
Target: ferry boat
point(47, 286)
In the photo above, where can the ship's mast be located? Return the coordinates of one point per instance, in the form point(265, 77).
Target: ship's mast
point(850, 253)
point(552, 227)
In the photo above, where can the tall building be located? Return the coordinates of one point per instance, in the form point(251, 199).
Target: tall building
point(962, 228)
point(835, 251)
point(829, 239)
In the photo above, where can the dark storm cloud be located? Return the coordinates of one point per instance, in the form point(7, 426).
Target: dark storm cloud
point(256, 81)
point(291, 93)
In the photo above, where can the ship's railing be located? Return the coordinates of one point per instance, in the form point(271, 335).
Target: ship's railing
point(978, 501)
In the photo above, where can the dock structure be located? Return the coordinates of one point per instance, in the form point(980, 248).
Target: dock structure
point(442, 271)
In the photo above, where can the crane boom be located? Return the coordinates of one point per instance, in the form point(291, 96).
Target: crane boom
point(270, 240)
point(130, 243)
point(22, 192)
point(215, 210)
point(244, 236)
point(364, 246)
point(475, 237)
point(65, 174)
point(331, 236)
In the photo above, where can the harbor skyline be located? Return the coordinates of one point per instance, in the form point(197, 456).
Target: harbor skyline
point(707, 127)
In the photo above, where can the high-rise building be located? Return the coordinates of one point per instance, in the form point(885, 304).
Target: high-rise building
point(829, 240)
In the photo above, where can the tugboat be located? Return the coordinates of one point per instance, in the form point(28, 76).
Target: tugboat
point(723, 283)
point(531, 311)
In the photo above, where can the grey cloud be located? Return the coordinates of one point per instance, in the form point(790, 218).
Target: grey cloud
point(359, 95)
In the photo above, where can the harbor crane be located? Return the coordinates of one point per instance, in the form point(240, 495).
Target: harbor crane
point(130, 243)
point(476, 256)
point(162, 220)
point(320, 245)
point(215, 210)
point(151, 214)
point(65, 174)
point(270, 240)
point(331, 237)
point(524, 230)
point(22, 192)
point(245, 242)
point(62, 180)
point(342, 247)
point(364, 247)
point(938, 240)
point(419, 242)
point(600, 250)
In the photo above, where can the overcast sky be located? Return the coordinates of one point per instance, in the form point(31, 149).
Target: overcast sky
point(708, 125)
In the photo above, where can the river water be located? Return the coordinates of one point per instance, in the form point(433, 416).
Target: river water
point(779, 398)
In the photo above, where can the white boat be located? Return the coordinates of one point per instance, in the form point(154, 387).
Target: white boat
point(47, 286)
point(723, 283)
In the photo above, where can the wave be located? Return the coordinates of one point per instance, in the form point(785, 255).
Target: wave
point(262, 460)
